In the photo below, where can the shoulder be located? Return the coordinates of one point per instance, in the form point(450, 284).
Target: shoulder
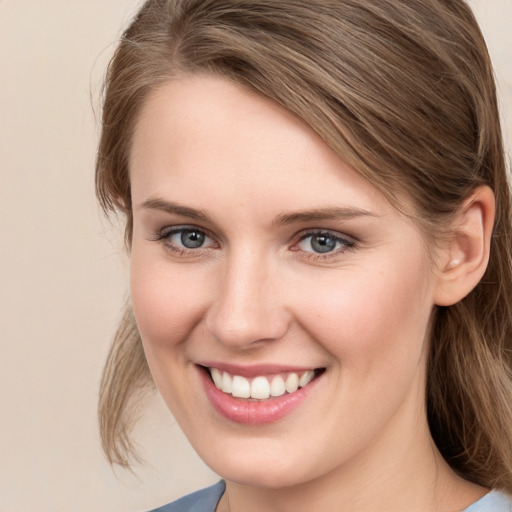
point(205, 500)
point(495, 501)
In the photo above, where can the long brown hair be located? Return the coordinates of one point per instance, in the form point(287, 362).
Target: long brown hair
point(403, 91)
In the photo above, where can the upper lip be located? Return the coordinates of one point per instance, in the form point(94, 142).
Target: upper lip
point(254, 370)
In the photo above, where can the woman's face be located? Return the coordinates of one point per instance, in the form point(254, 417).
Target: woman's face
point(263, 261)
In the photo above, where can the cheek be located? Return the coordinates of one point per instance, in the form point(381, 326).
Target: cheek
point(167, 302)
point(376, 317)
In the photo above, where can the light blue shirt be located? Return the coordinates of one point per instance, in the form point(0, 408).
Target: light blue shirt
point(206, 500)
point(494, 501)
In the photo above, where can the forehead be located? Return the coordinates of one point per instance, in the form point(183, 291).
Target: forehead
point(211, 113)
point(204, 133)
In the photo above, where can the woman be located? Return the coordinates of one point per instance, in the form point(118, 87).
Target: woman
point(318, 219)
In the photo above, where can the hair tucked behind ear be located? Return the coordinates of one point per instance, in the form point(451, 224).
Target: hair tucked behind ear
point(403, 91)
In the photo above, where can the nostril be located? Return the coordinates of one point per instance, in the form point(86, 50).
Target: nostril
point(247, 330)
point(244, 310)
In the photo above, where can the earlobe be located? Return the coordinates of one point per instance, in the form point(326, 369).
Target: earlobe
point(466, 255)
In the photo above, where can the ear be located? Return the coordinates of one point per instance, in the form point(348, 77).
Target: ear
point(464, 259)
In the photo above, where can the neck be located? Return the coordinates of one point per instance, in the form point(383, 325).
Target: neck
point(411, 476)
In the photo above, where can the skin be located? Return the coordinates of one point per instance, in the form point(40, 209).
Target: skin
point(257, 292)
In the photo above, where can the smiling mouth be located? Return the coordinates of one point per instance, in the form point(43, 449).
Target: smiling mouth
point(262, 387)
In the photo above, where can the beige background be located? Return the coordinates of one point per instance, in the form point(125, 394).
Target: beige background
point(63, 274)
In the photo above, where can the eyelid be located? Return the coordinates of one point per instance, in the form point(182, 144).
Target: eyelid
point(165, 231)
point(323, 231)
point(349, 243)
point(163, 236)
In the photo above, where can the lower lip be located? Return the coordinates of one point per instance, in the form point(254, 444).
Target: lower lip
point(254, 412)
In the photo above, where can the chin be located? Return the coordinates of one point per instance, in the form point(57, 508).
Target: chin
point(255, 467)
point(261, 477)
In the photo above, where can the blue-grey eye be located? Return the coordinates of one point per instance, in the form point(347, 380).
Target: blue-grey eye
point(188, 238)
point(320, 243)
point(192, 239)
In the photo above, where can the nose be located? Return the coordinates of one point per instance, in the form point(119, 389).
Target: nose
point(247, 309)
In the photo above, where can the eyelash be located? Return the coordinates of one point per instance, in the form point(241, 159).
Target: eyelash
point(345, 243)
point(164, 236)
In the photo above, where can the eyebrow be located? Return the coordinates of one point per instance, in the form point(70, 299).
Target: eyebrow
point(175, 208)
point(334, 213)
point(284, 219)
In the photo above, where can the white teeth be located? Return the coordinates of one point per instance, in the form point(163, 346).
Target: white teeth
point(241, 387)
point(277, 387)
point(292, 383)
point(217, 378)
point(306, 378)
point(227, 383)
point(261, 387)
